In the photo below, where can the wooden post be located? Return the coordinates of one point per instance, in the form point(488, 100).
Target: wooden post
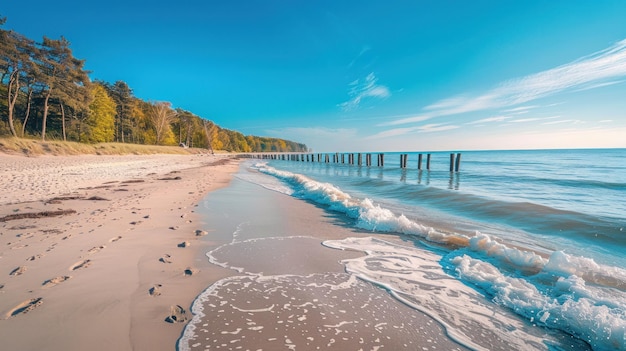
point(403, 160)
point(428, 162)
point(458, 162)
point(381, 160)
point(451, 162)
point(360, 160)
point(419, 162)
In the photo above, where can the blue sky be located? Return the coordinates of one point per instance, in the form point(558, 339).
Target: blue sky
point(364, 75)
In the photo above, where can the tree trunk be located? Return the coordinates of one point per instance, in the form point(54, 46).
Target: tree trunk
point(188, 132)
point(180, 131)
point(208, 138)
point(14, 83)
point(63, 121)
point(29, 100)
point(122, 123)
point(45, 115)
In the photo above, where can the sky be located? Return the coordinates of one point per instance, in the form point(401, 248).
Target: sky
point(364, 75)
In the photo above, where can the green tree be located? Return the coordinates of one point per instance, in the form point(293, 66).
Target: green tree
point(62, 78)
point(125, 102)
point(101, 120)
point(15, 65)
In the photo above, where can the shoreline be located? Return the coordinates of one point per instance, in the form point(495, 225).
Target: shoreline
point(98, 252)
point(285, 289)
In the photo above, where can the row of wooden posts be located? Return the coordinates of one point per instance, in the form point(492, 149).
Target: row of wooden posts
point(455, 159)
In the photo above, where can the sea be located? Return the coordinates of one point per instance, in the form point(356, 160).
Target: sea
point(524, 246)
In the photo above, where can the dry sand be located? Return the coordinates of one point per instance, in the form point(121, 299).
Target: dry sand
point(102, 252)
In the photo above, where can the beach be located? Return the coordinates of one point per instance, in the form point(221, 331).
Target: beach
point(207, 252)
point(110, 253)
point(103, 252)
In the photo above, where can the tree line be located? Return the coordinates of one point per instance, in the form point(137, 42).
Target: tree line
point(46, 92)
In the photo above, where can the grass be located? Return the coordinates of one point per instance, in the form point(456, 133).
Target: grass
point(31, 147)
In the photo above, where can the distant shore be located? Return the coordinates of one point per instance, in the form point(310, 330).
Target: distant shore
point(102, 252)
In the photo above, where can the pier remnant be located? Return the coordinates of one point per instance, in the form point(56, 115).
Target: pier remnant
point(451, 162)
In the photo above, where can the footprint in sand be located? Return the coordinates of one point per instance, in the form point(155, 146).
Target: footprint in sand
point(80, 264)
point(18, 271)
point(96, 249)
point(165, 259)
point(190, 271)
point(155, 290)
point(54, 281)
point(112, 240)
point(24, 307)
point(177, 315)
point(32, 258)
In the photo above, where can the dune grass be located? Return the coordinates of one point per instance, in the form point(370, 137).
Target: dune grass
point(31, 147)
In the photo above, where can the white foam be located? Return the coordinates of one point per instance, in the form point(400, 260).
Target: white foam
point(594, 314)
point(570, 293)
point(368, 215)
point(416, 278)
point(376, 218)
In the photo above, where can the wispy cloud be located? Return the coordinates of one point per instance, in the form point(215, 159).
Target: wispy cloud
point(598, 69)
point(524, 120)
point(392, 133)
point(436, 127)
point(362, 89)
point(490, 120)
point(600, 85)
point(560, 121)
point(317, 132)
point(427, 128)
point(522, 109)
point(405, 120)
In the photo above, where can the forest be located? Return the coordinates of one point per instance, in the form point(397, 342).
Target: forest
point(46, 93)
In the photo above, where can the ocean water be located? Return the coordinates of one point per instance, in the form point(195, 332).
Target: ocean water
point(519, 249)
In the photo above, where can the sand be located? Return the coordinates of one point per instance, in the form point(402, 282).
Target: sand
point(103, 252)
point(287, 291)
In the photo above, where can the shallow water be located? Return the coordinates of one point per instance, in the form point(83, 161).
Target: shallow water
point(538, 233)
point(418, 282)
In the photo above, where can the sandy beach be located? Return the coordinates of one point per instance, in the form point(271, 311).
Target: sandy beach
point(196, 252)
point(103, 252)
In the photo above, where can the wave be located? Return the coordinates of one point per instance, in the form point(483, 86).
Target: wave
point(558, 290)
point(595, 314)
point(531, 217)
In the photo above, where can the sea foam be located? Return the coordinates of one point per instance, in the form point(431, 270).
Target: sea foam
point(569, 293)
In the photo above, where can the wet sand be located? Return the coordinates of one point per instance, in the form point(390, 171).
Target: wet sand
point(286, 291)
